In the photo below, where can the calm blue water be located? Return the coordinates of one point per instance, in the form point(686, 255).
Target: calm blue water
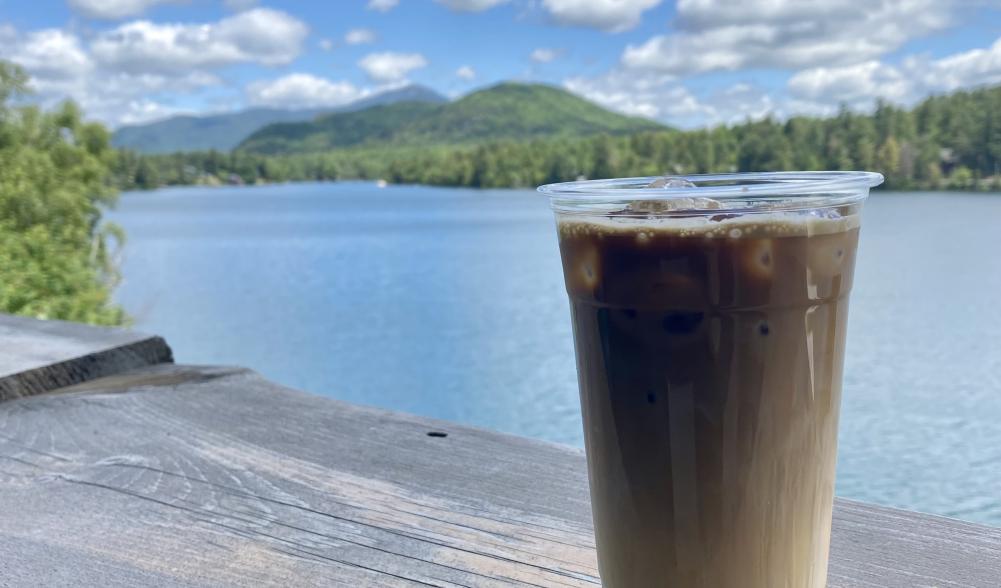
point(450, 303)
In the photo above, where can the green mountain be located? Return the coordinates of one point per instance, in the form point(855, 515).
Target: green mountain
point(375, 125)
point(223, 132)
point(506, 111)
point(947, 142)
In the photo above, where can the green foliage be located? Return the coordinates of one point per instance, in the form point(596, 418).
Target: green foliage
point(961, 178)
point(504, 112)
point(372, 125)
point(226, 131)
point(513, 111)
point(56, 254)
point(946, 142)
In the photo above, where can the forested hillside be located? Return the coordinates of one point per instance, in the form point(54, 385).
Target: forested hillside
point(951, 141)
point(227, 130)
point(506, 111)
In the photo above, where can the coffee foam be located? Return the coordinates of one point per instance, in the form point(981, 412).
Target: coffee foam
point(720, 226)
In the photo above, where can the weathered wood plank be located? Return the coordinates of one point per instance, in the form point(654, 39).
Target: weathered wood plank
point(174, 475)
point(36, 356)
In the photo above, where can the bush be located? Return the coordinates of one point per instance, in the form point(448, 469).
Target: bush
point(56, 254)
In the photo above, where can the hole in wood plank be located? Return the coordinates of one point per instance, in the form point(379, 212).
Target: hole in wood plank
point(437, 434)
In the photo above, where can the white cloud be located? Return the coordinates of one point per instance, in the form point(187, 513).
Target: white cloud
point(661, 97)
point(817, 91)
point(858, 85)
point(466, 73)
point(127, 98)
point(835, 45)
point(391, 67)
point(709, 14)
point(652, 96)
point(861, 82)
point(359, 37)
point(962, 70)
point(739, 103)
point(134, 72)
point(382, 5)
point(326, 44)
point(49, 55)
point(137, 112)
point(543, 55)
point(261, 35)
point(608, 15)
point(301, 90)
point(60, 68)
point(470, 5)
point(736, 34)
point(240, 5)
point(116, 9)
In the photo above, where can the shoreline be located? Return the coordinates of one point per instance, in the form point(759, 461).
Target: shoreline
point(989, 189)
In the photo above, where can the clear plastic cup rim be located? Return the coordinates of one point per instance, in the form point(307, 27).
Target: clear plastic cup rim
point(732, 192)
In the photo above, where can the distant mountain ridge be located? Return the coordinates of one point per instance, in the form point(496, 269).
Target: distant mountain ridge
point(224, 132)
point(507, 111)
point(945, 142)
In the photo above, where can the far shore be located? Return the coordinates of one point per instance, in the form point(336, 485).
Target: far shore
point(990, 185)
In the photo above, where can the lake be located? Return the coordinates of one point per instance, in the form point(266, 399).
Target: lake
point(450, 303)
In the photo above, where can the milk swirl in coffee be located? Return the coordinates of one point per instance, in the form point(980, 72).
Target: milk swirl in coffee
point(709, 351)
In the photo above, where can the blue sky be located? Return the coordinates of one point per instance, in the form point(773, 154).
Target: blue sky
point(685, 62)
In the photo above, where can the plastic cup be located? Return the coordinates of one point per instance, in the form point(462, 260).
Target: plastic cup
point(709, 316)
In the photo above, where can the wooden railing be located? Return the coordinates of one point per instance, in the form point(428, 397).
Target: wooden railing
point(118, 467)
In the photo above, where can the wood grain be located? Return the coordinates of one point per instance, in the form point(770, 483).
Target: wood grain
point(37, 356)
point(196, 476)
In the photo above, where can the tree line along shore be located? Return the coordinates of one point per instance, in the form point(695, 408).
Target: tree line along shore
point(949, 142)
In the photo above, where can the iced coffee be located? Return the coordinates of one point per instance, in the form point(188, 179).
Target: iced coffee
point(710, 344)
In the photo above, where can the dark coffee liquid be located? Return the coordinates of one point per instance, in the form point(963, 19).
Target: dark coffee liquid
point(710, 362)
